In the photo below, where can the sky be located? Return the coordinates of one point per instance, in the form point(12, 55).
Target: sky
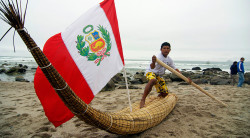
point(203, 30)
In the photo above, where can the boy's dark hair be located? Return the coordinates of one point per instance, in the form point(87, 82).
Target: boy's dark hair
point(165, 44)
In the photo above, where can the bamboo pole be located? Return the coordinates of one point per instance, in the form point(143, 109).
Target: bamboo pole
point(187, 80)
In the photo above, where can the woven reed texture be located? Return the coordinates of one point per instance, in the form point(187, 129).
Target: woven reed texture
point(125, 122)
point(155, 110)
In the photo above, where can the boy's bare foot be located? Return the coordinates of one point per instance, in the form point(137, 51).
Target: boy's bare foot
point(142, 104)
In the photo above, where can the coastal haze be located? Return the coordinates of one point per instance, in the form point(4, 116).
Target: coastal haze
point(197, 30)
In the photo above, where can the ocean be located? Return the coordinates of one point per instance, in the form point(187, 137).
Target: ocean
point(131, 65)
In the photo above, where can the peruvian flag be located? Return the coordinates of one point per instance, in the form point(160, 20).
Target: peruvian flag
point(87, 55)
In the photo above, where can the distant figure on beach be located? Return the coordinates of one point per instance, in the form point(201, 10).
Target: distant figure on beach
point(241, 71)
point(233, 72)
point(155, 71)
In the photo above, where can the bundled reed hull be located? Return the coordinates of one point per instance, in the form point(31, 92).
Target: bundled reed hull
point(155, 110)
point(126, 122)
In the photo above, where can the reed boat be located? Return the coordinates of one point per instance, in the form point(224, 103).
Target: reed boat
point(121, 122)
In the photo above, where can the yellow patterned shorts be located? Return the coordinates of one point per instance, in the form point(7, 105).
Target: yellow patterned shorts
point(160, 84)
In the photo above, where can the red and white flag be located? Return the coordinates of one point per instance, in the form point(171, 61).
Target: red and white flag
point(87, 55)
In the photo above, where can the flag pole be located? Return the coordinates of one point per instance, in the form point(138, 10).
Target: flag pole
point(126, 81)
point(187, 80)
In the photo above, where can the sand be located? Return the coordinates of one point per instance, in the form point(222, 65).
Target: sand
point(195, 115)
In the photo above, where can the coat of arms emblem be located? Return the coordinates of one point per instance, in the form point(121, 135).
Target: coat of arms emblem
point(98, 44)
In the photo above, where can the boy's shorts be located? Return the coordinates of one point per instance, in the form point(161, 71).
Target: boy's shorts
point(160, 85)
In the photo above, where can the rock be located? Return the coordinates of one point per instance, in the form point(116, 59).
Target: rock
point(136, 81)
point(21, 79)
point(122, 83)
point(200, 81)
point(5, 64)
point(138, 75)
point(144, 79)
point(196, 68)
point(141, 77)
point(219, 81)
point(166, 76)
point(110, 86)
point(212, 69)
point(20, 65)
point(247, 78)
point(187, 74)
point(196, 76)
point(2, 71)
point(173, 78)
point(11, 70)
point(208, 72)
point(130, 87)
point(17, 69)
point(21, 70)
point(223, 73)
point(118, 77)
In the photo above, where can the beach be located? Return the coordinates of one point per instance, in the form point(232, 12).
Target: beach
point(195, 114)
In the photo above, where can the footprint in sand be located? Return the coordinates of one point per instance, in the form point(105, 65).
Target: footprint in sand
point(90, 129)
point(47, 123)
point(42, 135)
point(193, 131)
point(108, 95)
point(43, 129)
point(5, 134)
point(46, 129)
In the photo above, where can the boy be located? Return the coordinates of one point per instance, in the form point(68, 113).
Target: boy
point(155, 72)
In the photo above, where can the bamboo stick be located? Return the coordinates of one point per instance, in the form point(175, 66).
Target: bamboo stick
point(187, 80)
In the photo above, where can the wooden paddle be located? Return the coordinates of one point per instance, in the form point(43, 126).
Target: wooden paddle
point(187, 80)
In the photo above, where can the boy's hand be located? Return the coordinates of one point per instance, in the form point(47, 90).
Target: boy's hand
point(153, 59)
point(152, 65)
point(189, 81)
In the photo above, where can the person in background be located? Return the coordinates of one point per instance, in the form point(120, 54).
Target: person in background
point(233, 72)
point(241, 71)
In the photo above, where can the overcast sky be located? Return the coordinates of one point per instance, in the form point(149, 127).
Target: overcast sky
point(207, 30)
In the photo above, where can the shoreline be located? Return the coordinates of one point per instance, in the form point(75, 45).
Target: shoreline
point(195, 114)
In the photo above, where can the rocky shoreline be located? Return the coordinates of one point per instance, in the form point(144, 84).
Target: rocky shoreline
point(213, 76)
point(18, 71)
